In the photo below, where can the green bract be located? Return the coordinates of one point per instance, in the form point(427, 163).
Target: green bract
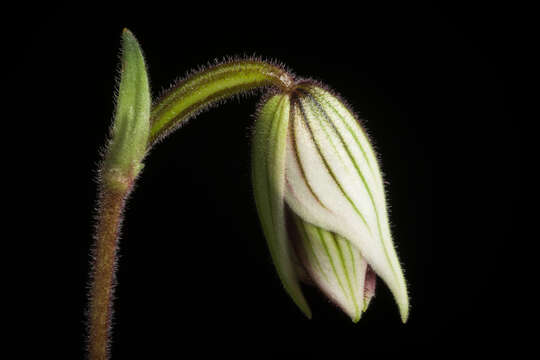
point(131, 127)
point(311, 154)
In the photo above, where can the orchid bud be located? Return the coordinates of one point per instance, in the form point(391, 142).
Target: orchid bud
point(311, 157)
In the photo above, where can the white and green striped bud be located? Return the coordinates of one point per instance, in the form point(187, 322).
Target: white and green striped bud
point(311, 155)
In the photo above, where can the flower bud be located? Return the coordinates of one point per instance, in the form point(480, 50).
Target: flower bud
point(311, 153)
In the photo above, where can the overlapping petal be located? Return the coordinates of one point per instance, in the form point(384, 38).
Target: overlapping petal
point(337, 267)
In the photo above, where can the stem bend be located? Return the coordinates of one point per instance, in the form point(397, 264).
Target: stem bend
point(201, 90)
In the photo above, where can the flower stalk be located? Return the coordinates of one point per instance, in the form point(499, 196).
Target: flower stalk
point(210, 86)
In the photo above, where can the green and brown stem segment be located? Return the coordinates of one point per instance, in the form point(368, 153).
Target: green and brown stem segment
point(207, 87)
point(121, 165)
point(135, 130)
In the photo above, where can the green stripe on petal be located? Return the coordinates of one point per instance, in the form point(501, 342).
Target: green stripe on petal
point(268, 173)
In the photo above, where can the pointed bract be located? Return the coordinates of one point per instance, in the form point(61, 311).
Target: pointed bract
point(131, 127)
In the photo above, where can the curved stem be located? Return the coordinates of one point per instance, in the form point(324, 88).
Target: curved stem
point(207, 87)
point(186, 99)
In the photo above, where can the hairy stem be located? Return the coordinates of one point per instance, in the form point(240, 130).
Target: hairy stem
point(207, 87)
point(189, 97)
point(111, 205)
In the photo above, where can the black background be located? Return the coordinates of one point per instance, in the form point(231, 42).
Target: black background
point(194, 271)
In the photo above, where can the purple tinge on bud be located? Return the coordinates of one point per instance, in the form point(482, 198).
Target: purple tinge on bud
point(369, 287)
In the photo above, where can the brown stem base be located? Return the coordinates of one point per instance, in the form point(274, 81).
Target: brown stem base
point(111, 206)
